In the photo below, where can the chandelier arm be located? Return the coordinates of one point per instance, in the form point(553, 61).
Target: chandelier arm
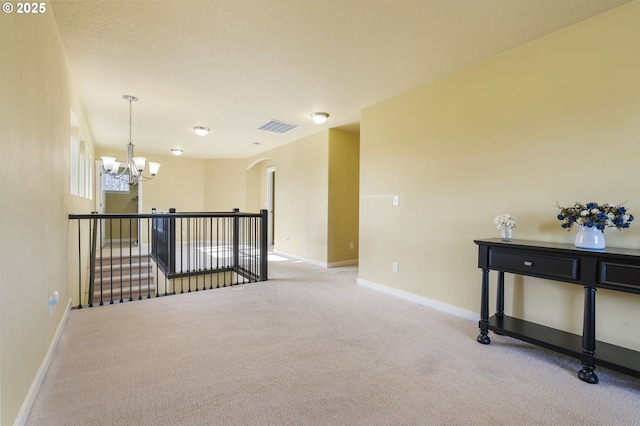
point(144, 178)
point(119, 174)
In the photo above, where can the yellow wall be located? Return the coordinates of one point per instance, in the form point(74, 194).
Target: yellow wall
point(225, 185)
point(556, 120)
point(344, 173)
point(118, 202)
point(37, 97)
point(257, 185)
point(302, 197)
point(316, 195)
point(179, 184)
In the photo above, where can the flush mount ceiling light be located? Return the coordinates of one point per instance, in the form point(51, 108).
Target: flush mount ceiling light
point(176, 151)
point(134, 166)
point(201, 130)
point(319, 117)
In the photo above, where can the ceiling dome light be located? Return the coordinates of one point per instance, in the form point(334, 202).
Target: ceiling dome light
point(176, 151)
point(201, 130)
point(319, 117)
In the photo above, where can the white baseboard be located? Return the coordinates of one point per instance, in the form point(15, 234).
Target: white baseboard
point(450, 309)
point(350, 262)
point(21, 419)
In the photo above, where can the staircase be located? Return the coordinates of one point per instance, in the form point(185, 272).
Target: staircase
point(122, 277)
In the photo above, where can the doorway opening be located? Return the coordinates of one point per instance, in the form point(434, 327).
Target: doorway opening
point(271, 202)
point(116, 196)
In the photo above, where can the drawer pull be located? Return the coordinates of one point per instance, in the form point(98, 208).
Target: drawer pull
point(528, 263)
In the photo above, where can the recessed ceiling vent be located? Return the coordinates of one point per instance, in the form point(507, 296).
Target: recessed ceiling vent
point(277, 126)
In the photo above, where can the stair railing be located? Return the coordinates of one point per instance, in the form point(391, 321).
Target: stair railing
point(187, 252)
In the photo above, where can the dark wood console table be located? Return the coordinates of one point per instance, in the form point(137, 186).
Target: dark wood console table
point(612, 268)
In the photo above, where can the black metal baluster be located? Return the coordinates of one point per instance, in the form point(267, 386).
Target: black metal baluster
point(101, 280)
point(195, 251)
point(181, 258)
point(209, 248)
point(80, 264)
point(139, 260)
point(189, 253)
point(217, 252)
point(148, 268)
point(130, 266)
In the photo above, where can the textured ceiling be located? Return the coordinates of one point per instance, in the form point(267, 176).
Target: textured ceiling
point(232, 65)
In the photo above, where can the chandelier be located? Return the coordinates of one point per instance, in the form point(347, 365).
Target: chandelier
point(134, 166)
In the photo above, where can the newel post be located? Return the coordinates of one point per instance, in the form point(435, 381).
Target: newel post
point(264, 256)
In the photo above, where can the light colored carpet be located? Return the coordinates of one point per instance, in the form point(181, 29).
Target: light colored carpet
point(310, 347)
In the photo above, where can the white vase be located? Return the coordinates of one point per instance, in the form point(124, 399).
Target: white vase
point(590, 238)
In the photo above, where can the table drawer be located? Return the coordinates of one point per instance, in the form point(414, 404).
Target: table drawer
point(533, 264)
point(619, 276)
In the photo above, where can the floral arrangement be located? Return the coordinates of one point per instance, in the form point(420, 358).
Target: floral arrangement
point(504, 221)
point(593, 214)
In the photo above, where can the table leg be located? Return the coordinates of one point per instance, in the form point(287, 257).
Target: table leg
point(500, 296)
point(484, 310)
point(589, 337)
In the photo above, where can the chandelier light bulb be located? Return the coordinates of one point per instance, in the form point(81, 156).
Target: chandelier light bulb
point(115, 167)
point(153, 168)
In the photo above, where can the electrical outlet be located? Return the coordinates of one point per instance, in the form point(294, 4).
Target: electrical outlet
point(351, 245)
point(394, 266)
point(396, 200)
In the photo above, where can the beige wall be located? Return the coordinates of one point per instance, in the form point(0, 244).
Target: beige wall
point(302, 197)
point(344, 174)
point(556, 120)
point(179, 184)
point(225, 185)
point(316, 195)
point(257, 185)
point(118, 202)
point(37, 97)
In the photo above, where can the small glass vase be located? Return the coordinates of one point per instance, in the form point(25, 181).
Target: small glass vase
point(506, 234)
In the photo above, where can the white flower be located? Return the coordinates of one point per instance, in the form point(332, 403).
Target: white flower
point(504, 221)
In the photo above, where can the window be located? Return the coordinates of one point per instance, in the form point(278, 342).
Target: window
point(80, 175)
point(114, 183)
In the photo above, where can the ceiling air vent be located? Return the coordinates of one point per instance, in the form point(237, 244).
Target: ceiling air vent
point(277, 126)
